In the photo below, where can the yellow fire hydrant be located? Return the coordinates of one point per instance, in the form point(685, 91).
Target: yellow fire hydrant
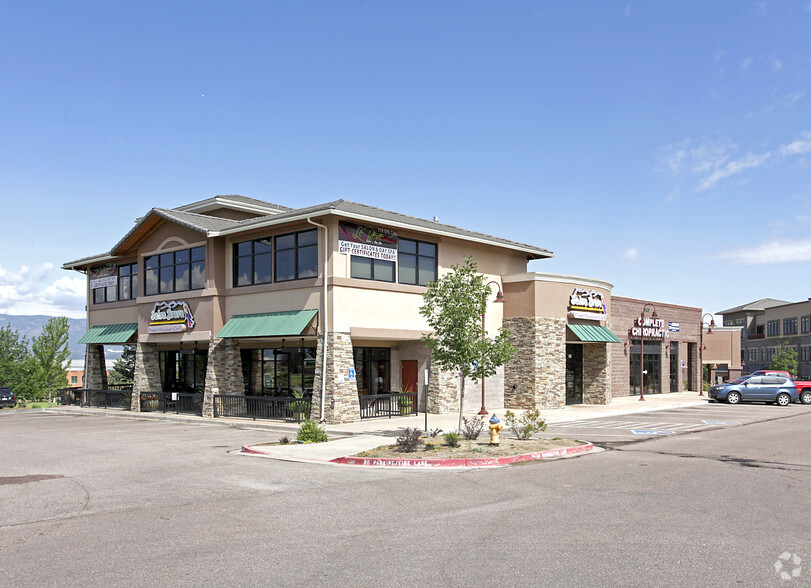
point(495, 427)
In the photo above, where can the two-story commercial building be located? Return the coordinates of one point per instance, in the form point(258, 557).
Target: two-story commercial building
point(233, 296)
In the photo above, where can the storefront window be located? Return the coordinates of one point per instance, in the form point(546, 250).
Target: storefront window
point(252, 262)
point(177, 271)
point(297, 256)
point(417, 261)
point(652, 366)
point(183, 370)
point(372, 370)
point(279, 371)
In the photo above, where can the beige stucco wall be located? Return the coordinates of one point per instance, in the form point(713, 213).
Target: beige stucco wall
point(723, 345)
point(547, 295)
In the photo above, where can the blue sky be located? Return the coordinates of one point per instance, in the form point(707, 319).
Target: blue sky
point(664, 147)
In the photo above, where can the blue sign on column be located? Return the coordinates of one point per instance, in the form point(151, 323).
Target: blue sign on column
point(351, 374)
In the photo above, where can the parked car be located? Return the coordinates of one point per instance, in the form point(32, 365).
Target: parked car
point(803, 387)
point(7, 397)
point(774, 389)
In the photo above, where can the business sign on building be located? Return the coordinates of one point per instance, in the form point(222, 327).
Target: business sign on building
point(103, 276)
point(586, 304)
point(366, 241)
point(170, 317)
point(653, 328)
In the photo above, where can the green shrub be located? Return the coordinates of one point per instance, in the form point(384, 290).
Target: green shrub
point(452, 438)
point(526, 425)
point(311, 432)
point(411, 440)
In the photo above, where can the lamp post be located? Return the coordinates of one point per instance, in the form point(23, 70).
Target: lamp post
point(499, 298)
point(701, 347)
point(642, 349)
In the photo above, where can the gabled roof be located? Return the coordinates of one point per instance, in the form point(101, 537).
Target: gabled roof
point(756, 306)
point(212, 226)
point(234, 202)
point(356, 210)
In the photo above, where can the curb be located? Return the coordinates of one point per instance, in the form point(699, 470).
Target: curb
point(474, 462)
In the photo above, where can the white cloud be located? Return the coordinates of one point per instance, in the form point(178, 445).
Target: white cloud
point(747, 62)
point(777, 65)
point(31, 291)
point(631, 253)
point(801, 145)
point(733, 168)
point(770, 252)
point(719, 54)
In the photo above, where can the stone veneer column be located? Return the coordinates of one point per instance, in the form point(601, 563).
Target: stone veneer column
point(443, 391)
point(147, 373)
point(95, 368)
point(596, 374)
point(535, 377)
point(341, 404)
point(223, 372)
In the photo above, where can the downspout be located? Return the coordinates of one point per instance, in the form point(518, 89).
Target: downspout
point(326, 317)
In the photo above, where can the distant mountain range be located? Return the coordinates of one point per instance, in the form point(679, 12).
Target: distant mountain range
point(31, 326)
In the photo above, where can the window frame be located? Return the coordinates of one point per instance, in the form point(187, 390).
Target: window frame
point(790, 326)
point(297, 249)
point(132, 288)
point(174, 266)
point(236, 257)
point(773, 328)
point(417, 256)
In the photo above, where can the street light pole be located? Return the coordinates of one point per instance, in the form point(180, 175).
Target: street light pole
point(701, 347)
point(499, 298)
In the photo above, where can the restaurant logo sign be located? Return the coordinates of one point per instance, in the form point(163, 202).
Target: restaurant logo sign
point(170, 317)
point(586, 304)
point(367, 241)
point(653, 328)
point(103, 276)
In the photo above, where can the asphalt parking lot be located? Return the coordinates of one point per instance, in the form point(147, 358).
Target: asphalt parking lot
point(634, 427)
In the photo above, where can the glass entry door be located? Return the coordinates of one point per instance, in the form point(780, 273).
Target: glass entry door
point(653, 367)
point(574, 374)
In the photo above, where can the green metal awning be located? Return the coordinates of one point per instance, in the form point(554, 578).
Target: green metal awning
point(109, 334)
point(268, 324)
point(594, 334)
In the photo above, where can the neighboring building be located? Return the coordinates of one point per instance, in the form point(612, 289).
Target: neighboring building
point(76, 373)
point(666, 347)
point(722, 352)
point(233, 296)
point(767, 325)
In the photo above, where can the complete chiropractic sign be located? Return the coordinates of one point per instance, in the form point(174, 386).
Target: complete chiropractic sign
point(170, 317)
point(655, 328)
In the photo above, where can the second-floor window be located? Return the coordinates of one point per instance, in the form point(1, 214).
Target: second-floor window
point(417, 261)
point(790, 326)
point(253, 262)
point(367, 268)
point(177, 271)
point(128, 281)
point(296, 255)
point(772, 328)
point(805, 324)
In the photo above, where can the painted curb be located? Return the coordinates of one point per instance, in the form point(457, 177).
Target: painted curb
point(474, 462)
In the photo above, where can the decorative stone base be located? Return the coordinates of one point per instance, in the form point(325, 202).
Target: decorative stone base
point(147, 373)
point(341, 404)
point(596, 373)
point(223, 372)
point(95, 368)
point(443, 391)
point(536, 375)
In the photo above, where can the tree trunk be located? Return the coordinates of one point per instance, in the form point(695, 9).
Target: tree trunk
point(461, 405)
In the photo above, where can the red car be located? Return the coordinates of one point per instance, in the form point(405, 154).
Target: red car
point(803, 388)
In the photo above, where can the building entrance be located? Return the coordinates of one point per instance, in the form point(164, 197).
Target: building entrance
point(652, 367)
point(574, 374)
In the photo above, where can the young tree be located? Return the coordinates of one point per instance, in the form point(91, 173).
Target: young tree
point(123, 372)
point(453, 307)
point(51, 354)
point(785, 359)
point(13, 355)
